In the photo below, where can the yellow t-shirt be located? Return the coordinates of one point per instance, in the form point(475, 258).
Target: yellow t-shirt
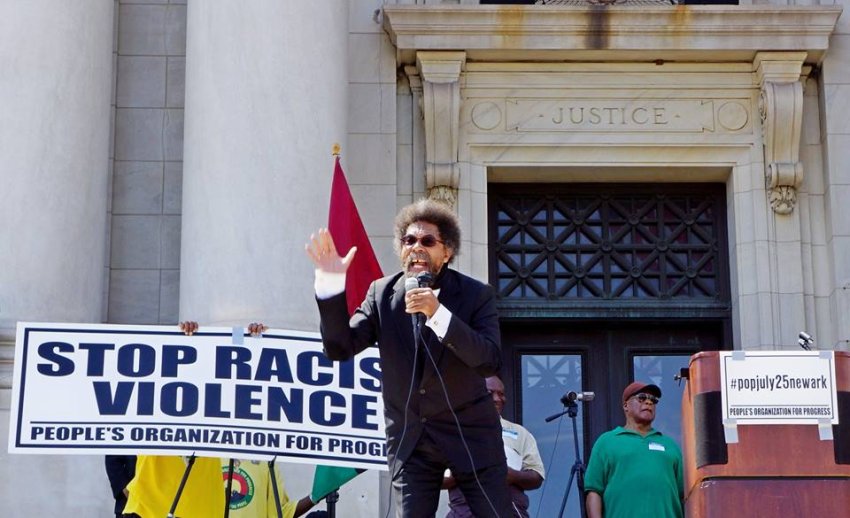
point(157, 479)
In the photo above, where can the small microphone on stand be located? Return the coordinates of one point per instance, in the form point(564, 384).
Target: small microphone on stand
point(805, 340)
point(577, 396)
point(569, 400)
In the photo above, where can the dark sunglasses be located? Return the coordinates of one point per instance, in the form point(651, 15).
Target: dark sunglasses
point(643, 398)
point(427, 240)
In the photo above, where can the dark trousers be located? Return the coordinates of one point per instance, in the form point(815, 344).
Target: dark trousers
point(416, 489)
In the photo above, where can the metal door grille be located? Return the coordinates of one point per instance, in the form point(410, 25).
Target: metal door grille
point(598, 243)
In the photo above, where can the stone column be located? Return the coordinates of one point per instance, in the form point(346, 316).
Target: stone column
point(833, 268)
point(266, 98)
point(55, 92)
point(54, 160)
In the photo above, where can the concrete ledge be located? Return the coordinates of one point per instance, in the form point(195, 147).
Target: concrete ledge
point(594, 33)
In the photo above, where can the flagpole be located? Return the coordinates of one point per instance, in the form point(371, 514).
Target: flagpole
point(333, 496)
point(189, 463)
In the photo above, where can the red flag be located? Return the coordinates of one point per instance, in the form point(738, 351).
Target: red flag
point(347, 231)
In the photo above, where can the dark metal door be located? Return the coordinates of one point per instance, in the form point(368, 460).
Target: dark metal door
point(543, 361)
point(598, 285)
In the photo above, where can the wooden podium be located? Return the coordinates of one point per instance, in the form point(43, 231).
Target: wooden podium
point(773, 470)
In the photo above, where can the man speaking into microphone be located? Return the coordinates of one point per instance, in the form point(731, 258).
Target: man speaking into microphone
point(438, 411)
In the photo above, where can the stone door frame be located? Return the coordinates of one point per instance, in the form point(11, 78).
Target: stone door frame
point(723, 111)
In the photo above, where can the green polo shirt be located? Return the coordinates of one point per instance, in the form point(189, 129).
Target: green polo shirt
point(637, 476)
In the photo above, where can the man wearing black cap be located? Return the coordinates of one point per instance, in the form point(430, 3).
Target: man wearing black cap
point(634, 470)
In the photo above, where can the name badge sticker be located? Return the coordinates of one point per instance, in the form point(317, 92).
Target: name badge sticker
point(657, 447)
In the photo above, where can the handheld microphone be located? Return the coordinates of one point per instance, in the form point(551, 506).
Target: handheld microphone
point(571, 396)
point(425, 279)
point(411, 283)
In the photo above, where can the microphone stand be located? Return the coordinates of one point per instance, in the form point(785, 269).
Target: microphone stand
point(331, 500)
point(577, 471)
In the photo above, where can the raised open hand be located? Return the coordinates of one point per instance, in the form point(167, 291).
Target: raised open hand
point(323, 253)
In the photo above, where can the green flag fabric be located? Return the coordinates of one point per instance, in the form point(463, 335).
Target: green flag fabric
point(330, 478)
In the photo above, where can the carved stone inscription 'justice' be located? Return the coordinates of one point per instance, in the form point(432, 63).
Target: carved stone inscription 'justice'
point(690, 115)
point(611, 116)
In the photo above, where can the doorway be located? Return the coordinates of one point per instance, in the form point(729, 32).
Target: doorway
point(599, 285)
point(544, 361)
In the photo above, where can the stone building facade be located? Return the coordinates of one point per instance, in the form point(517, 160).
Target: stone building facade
point(638, 182)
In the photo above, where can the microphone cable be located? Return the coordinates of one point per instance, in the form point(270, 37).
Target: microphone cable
point(393, 474)
point(457, 423)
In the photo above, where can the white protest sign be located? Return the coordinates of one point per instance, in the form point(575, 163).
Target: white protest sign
point(778, 387)
point(109, 389)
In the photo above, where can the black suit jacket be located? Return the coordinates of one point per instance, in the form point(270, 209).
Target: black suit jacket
point(469, 351)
